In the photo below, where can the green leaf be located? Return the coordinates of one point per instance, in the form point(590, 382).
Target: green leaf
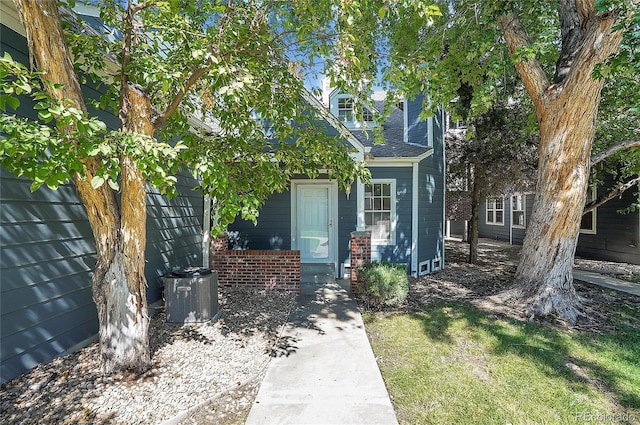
point(12, 101)
point(113, 185)
point(35, 185)
point(97, 181)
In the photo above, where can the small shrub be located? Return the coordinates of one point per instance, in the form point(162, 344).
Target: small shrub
point(382, 284)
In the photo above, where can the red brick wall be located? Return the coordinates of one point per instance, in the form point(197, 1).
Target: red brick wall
point(255, 269)
point(360, 253)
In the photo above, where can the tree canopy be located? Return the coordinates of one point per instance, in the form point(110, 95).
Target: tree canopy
point(225, 99)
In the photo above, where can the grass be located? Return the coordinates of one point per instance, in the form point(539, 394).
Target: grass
point(454, 364)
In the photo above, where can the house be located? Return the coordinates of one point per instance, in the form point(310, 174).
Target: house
point(402, 206)
point(606, 233)
point(47, 250)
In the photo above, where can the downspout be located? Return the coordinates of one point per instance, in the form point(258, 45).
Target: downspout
point(414, 221)
point(206, 231)
point(443, 130)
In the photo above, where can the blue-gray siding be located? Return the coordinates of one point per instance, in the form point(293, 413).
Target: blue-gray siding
point(617, 235)
point(400, 252)
point(47, 253)
point(494, 231)
point(417, 131)
point(431, 188)
point(274, 222)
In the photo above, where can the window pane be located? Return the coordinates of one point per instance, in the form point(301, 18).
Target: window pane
point(377, 189)
point(386, 204)
point(499, 217)
point(518, 218)
point(386, 189)
point(499, 203)
point(490, 216)
point(587, 221)
point(377, 204)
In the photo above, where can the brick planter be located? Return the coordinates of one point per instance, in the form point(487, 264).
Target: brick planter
point(256, 269)
point(360, 253)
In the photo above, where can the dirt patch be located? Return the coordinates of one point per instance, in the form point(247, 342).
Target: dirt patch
point(480, 284)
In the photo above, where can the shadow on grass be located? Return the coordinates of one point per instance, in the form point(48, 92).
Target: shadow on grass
point(554, 351)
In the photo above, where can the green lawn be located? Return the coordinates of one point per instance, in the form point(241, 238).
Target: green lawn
point(454, 364)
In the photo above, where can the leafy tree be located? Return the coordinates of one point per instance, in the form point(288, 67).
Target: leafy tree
point(495, 155)
point(564, 52)
point(168, 68)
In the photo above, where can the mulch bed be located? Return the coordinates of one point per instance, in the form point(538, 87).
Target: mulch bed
point(479, 284)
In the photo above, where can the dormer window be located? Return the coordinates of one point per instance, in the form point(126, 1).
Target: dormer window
point(347, 113)
point(345, 109)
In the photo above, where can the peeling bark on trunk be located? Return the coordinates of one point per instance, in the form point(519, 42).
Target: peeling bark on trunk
point(545, 272)
point(566, 110)
point(119, 285)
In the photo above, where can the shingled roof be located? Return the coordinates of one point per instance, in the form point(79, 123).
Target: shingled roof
point(394, 145)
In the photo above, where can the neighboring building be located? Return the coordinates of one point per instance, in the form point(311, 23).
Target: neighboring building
point(605, 233)
point(402, 207)
point(47, 250)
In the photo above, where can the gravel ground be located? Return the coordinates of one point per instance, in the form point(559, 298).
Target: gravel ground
point(216, 368)
point(190, 364)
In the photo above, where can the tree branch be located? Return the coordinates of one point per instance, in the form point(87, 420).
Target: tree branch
point(530, 70)
point(571, 20)
point(196, 74)
point(599, 157)
point(615, 192)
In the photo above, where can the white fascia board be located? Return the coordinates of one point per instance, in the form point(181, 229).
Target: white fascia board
point(398, 162)
point(333, 120)
point(9, 17)
point(414, 220)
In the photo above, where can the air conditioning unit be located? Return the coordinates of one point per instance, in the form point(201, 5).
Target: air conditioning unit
point(191, 295)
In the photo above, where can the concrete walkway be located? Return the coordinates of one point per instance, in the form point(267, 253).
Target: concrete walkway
point(326, 372)
point(607, 282)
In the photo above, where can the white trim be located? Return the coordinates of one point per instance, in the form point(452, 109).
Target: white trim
point(405, 112)
point(414, 221)
point(593, 190)
point(430, 131)
point(332, 185)
point(333, 120)
point(360, 226)
point(437, 264)
point(424, 268)
point(9, 17)
point(393, 216)
point(486, 212)
point(444, 185)
point(523, 210)
point(398, 161)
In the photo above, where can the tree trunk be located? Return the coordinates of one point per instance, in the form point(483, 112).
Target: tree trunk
point(545, 272)
point(119, 285)
point(475, 221)
point(566, 110)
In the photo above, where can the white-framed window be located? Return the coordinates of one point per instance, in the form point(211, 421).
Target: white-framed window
point(588, 222)
point(347, 113)
point(518, 213)
point(345, 109)
point(495, 211)
point(380, 211)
